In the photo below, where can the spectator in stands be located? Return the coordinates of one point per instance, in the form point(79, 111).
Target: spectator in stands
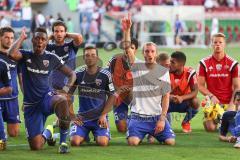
point(178, 27)
point(3, 21)
point(26, 10)
point(70, 25)
point(40, 20)
point(210, 4)
point(94, 32)
point(231, 3)
point(59, 17)
point(84, 28)
point(215, 26)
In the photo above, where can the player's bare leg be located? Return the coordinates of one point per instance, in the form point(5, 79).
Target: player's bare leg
point(76, 140)
point(170, 142)
point(122, 126)
point(133, 141)
point(102, 141)
point(13, 129)
point(61, 108)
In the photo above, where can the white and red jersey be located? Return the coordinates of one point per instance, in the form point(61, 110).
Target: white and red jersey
point(219, 75)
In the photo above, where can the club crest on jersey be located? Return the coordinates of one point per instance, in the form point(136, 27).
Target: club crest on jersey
point(46, 63)
point(53, 51)
point(218, 67)
point(98, 82)
point(66, 49)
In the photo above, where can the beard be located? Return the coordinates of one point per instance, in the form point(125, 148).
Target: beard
point(5, 46)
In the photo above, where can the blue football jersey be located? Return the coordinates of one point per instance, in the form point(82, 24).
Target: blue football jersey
point(5, 76)
point(67, 53)
point(93, 91)
point(35, 74)
point(13, 71)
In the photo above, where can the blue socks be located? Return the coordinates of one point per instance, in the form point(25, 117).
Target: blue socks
point(63, 135)
point(2, 132)
point(47, 134)
point(191, 112)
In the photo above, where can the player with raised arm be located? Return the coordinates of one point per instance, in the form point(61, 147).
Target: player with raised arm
point(119, 67)
point(39, 100)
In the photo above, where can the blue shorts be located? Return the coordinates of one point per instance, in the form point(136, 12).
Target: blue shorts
point(10, 111)
point(93, 126)
point(180, 108)
point(35, 115)
point(121, 112)
point(139, 127)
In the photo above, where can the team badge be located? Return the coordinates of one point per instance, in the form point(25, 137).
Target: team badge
point(46, 63)
point(53, 51)
point(218, 67)
point(66, 49)
point(98, 82)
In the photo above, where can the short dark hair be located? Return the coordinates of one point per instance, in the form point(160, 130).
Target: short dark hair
point(179, 56)
point(59, 23)
point(237, 93)
point(134, 41)
point(162, 57)
point(89, 47)
point(40, 29)
point(6, 29)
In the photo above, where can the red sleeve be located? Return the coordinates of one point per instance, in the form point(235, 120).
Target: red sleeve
point(236, 71)
point(201, 70)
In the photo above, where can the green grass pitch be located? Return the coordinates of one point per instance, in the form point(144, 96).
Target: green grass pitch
point(197, 145)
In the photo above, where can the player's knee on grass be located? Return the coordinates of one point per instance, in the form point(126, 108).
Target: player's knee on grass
point(13, 130)
point(36, 143)
point(122, 126)
point(102, 141)
point(133, 141)
point(170, 142)
point(195, 103)
point(210, 126)
point(76, 140)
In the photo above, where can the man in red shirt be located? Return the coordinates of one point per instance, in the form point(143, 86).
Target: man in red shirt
point(218, 77)
point(183, 97)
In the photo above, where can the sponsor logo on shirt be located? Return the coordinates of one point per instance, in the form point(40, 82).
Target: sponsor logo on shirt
point(218, 75)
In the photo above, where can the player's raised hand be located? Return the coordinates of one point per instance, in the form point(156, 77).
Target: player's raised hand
point(159, 126)
point(102, 121)
point(23, 34)
point(126, 22)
